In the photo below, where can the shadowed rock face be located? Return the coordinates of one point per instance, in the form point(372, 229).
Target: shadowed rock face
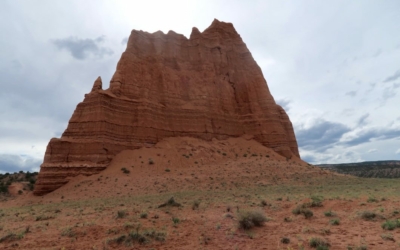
point(165, 85)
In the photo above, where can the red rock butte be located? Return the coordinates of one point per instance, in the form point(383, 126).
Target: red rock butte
point(166, 85)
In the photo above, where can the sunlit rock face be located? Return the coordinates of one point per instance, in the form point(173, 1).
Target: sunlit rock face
point(166, 85)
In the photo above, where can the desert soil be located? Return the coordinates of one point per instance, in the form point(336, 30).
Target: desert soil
point(215, 183)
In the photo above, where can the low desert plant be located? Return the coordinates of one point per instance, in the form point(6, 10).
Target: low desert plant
point(372, 199)
point(368, 215)
point(69, 232)
point(250, 219)
point(362, 247)
point(175, 220)
point(304, 211)
point(263, 203)
point(334, 222)
point(143, 215)
point(316, 201)
point(285, 240)
point(319, 243)
point(391, 224)
point(170, 203)
point(125, 171)
point(329, 213)
point(9, 237)
point(387, 237)
point(44, 217)
point(195, 204)
point(121, 214)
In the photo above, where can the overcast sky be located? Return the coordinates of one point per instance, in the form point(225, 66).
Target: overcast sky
point(333, 65)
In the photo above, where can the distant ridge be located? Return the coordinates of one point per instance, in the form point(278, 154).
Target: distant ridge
point(368, 169)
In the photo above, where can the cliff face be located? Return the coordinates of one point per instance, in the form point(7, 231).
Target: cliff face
point(165, 85)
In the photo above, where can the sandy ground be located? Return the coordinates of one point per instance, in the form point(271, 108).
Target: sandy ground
point(224, 178)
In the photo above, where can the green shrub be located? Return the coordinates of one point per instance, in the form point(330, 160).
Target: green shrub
point(304, 211)
point(372, 199)
point(391, 224)
point(318, 242)
point(285, 240)
point(329, 213)
point(175, 220)
point(334, 222)
point(195, 204)
point(121, 214)
point(368, 215)
point(143, 215)
point(387, 237)
point(316, 201)
point(250, 219)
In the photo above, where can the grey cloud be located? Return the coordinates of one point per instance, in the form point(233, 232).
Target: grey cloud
point(393, 77)
point(82, 48)
point(351, 93)
point(284, 103)
point(363, 120)
point(322, 135)
point(373, 134)
point(15, 163)
point(124, 41)
point(390, 92)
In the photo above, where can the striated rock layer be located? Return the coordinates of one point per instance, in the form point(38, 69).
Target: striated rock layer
point(166, 85)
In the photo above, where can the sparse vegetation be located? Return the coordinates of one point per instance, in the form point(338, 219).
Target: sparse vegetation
point(285, 240)
point(121, 214)
point(68, 232)
point(263, 203)
point(319, 243)
point(387, 237)
point(329, 213)
point(250, 219)
point(334, 222)
point(170, 203)
point(302, 210)
point(44, 217)
point(125, 171)
point(175, 220)
point(362, 247)
point(316, 201)
point(368, 215)
point(391, 224)
point(195, 204)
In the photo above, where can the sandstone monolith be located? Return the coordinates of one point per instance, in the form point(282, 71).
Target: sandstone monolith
point(166, 85)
